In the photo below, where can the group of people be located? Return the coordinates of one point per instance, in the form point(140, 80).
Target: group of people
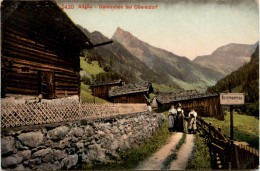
point(178, 120)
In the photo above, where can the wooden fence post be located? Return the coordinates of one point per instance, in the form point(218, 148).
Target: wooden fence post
point(232, 155)
point(210, 135)
point(219, 128)
point(226, 154)
point(212, 152)
point(237, 158)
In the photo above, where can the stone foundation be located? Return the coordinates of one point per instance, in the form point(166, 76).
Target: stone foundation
point(71, 144)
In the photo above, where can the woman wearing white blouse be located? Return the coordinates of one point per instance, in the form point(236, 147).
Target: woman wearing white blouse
point(192, 121)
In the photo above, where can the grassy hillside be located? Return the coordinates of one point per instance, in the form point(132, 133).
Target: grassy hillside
point(163, 88)
point(90, 67)
point(246, 128)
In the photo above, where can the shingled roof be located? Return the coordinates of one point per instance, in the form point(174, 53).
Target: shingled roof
point(171, 97)
point(45, 19)
point(93, 84)
point(131, 88)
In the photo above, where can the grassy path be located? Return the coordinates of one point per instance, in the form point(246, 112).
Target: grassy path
point(183, 154)
point(155, 162)
point(172, 156)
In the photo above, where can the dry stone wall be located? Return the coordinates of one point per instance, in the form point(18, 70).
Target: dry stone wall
point(71, 144)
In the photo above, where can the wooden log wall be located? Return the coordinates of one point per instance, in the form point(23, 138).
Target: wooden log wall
point(130, 98)
point(26, 56)
point(208, 106)
point(102, 91)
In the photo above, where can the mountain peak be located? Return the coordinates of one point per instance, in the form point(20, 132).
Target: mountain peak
point(119, 29)
point(123, 36)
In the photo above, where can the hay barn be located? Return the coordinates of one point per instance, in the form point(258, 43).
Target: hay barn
point(101, 89)
point(131, 93)
point(205, 104)
point(40, 50)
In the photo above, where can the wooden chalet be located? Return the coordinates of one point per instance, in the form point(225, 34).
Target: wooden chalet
point(101, 89)
point(131, 93)
point(40, 50)
point(205, 104)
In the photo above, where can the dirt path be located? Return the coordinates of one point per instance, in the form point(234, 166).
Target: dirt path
point(183, 154)
point(155, 162)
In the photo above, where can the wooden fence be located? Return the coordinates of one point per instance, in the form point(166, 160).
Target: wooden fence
point(15, 114)
point(224, 153)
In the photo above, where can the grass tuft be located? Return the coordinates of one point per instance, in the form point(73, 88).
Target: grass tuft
point(173, 155)
point(200, 158)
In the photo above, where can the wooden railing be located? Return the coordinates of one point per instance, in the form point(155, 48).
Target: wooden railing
point(22, 114)
point(224, 153)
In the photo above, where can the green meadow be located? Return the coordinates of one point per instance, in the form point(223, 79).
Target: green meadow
point(91, 68)
point(246, 128)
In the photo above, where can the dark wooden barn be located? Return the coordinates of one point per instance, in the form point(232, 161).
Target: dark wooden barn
point(131, 93)
point(101, 89)
point(205, 104)
point(40, 50)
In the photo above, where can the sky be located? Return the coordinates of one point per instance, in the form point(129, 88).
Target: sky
point(182, 27)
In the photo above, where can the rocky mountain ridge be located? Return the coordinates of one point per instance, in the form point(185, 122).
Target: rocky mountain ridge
point(228, 58)
point(163, 62)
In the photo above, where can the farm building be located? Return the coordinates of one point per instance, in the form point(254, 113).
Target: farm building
point(131, 93)
point(205, 104)
point(40, 50)
point(101, 89)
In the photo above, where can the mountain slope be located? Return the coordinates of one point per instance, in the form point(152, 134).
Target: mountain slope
point(246, 80)
point(227, 58)
point(119, 60)
point(180, 69)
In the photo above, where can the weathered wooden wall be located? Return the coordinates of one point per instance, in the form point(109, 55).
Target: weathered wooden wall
point(207, 106)
point(24, 62)
point(34, 59)
point(130, 98)
point(102, 90)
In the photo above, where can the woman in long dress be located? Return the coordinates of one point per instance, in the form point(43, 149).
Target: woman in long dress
point(179, 119)
point(192, 121)
point(171, 118)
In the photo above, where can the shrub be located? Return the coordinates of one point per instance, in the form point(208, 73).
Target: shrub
point(86, 80)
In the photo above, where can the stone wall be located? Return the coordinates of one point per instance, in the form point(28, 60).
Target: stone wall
point(71, 144)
